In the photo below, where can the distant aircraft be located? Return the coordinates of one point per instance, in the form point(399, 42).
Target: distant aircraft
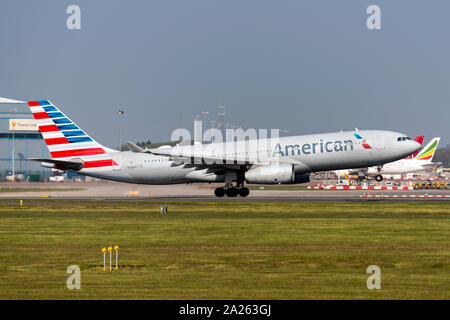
point(284, 160)
point(421, 162)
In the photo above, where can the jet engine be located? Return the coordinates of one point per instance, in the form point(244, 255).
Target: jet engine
point(271, 174)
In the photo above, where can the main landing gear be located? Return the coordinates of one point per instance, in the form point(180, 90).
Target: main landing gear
point(379, 177)
point(231, 191)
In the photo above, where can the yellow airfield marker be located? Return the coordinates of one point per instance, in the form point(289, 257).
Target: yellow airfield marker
point(110, 249)
point(104, 258)
point(110, 257)
point(116, 248)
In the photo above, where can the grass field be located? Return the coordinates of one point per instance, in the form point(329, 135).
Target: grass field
point(226, 250)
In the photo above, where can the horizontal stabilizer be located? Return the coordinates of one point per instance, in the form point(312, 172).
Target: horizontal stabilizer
point(74, 165)
point(7, 101)
point(432, 165)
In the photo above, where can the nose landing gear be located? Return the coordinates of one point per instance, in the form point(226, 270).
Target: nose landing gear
point(232, 192)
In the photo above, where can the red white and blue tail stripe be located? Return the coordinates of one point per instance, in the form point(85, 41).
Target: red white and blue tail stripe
point(65, 140)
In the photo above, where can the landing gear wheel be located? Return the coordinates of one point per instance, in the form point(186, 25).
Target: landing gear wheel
point(219, 192)
point(379, 177)
point(243, 192)
point(232, 192)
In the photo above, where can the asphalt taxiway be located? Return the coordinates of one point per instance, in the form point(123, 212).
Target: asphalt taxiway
point(115, 191)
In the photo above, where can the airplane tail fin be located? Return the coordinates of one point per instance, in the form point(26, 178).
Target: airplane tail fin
point(65, 140)
point(427, 153)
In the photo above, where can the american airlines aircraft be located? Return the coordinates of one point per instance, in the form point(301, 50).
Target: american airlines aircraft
point(284, 160)
point(421, 162)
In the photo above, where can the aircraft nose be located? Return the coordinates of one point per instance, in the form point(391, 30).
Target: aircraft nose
point(414, 146)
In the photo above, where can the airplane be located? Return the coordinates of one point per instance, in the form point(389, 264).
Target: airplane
point(284, 160)
point(421, 162)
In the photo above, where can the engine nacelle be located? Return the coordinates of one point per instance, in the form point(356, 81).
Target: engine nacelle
point(271, 174)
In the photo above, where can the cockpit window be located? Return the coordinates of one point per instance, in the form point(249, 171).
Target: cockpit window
point(408, 138)
point(403, 138)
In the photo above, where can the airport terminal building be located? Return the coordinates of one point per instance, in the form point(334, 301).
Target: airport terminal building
point(20, 139)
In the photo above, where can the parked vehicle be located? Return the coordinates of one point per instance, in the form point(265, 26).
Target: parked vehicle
point(56, 179)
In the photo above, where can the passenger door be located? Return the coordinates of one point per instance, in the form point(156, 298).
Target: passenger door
point(117, 158)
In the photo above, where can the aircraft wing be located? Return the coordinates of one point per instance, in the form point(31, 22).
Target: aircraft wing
point(60, 164)
point(191, 157)
point(196, 157)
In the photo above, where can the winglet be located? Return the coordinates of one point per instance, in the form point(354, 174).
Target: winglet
point(135, 148)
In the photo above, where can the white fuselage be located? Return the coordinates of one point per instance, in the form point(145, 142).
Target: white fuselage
point(308, 153)
point(393, 168)
point(399, 167)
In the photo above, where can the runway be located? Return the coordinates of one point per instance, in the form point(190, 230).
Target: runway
point(115, 191)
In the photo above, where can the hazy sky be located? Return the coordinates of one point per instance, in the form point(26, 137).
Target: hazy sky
point(303, 66)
